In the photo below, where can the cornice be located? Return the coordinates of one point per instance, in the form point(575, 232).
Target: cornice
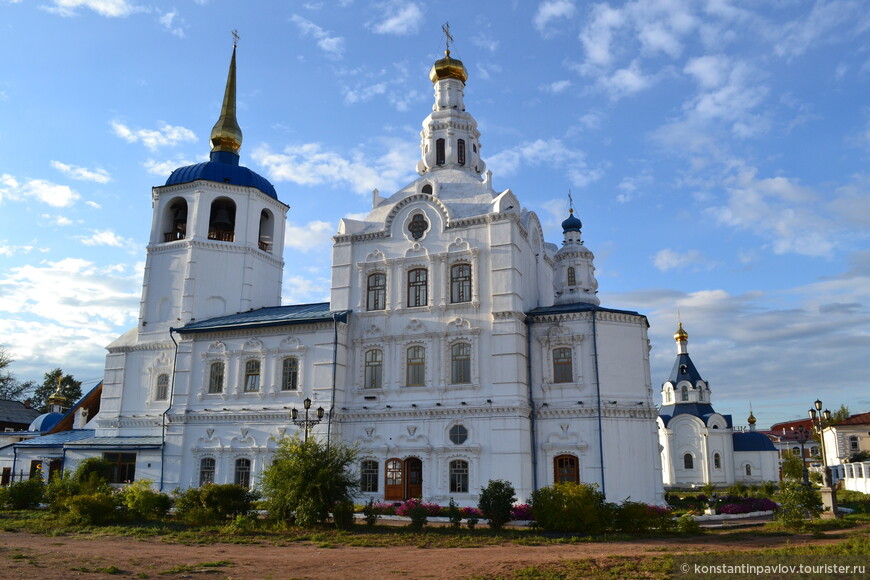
point(368, 415)
point(145, 346)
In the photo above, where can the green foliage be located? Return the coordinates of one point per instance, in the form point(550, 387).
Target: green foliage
point(471, 521)
point(859, 457)
point(419, 516)
point(145, 503)
point(24, 495)
point(60, 489)
point(97, 508)
point(570, 507)
point(792, 467)
point(708, 489)
point(93, 473)
point(454, 514)
point(70, 388)
point(767, 489)
point(496, 501)
point(370, 513)
point(639, 518)
point(855, 500)
point(688, 525)
point(738, 489)
point(10, 388)
point(342, 515)
point(799, 502)
point(213, 502)
point(307, 478)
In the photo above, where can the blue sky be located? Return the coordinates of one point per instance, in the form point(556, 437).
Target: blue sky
point(717, 152)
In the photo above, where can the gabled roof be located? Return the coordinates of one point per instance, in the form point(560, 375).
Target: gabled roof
point(684, 370)
point(859, 419)
point(57, 439)
point(752, 441)
point(91, 401)
point(272, 316)
point(16, 412)
point(701, 410)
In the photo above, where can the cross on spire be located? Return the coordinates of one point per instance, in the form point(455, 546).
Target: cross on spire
point(235, 38)
point(448, 38)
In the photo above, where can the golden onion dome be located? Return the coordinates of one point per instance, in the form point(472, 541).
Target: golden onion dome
point(751, 420)
point(681, 335)
point(448, 68)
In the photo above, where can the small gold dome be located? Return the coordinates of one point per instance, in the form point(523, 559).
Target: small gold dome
point(751, 420)
point(448, 68)
point(681, 334)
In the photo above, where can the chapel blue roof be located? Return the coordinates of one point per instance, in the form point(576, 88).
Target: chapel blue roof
point(223, 167)
point(684, 370)
point(57, 439)
point(572, 224)
point(272, 316)
point(701, 410)
point(752, 441)
point(576, 307)
point(45, 422)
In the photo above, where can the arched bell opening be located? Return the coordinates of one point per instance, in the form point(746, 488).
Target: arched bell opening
point(222, 220)
point(267, 231)
point(175, 220)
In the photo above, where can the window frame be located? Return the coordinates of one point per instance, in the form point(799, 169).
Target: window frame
point(369, 473)
point(251, 383)
point(216, 380)
point(123, 466)
point(373, 368)
point(289, 377)
point(376, 291)
point(418, 287)
point(415, 367)
point(458, 475)
point(460, 152)
point(458, 434)
point(161, 388)
point(440, 152)
point(203, 470)
point(563, 368)
point(242, 468)
point(717, 461)
point(572, 276)
point(460, 283)
point(688, 461)
point(460, 363)
point(566, 468)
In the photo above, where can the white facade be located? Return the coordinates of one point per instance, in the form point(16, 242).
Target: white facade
point(458, 346)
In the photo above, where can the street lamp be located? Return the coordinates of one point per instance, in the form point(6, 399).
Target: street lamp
point(820, 421)
point(801, 434)
point(306, 423)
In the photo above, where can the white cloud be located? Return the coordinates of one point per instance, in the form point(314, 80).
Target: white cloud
point(109, 238)
point(552, 10)
point(315, 235)
point(669, 259)
point(557, 87)
point(625, 81)
point(553, 153)
point(332, 46)
point(165, 168)
point(166, 136)
point(107, 8)
point(172, 23)
point(11, 250)
point(58, 220)
point(45, 191)
point(710, 71)
point(301, 290)
point(93, 204)
point(796, 37)
point(398, 17)
point(82, 173)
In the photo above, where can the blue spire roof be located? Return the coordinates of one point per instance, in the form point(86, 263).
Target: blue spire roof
point(572, 224)
point(223, 168)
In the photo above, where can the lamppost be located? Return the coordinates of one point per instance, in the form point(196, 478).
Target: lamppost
point(306, 423)
point(821, 420)
point(801, 434)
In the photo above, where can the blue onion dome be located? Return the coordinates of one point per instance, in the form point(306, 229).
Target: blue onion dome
point(572, 224)
point(45, 422)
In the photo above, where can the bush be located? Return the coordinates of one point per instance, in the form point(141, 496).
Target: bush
point(60, 489)
point(145, 503)
point(307, 478)
point(100, 507)
point(798, 503)
point(570, 507)
point(738, 489)
point(454, 515)
point(342, 515)
point(688, 525)
point(24, 495)
point(767, 489)
point(522, 511)
point(409, 505)
point(92, 473)
point(419, 516)
point(496, 501)
point(748, 505)
point(213, 503)
point(370, 513)
point(639, 518)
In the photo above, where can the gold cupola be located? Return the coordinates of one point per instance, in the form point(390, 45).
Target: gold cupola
point(226, 135)
point(448, 68)
point(681, 335)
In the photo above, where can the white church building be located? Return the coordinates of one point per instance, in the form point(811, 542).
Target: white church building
point(699, 445)
point(458, 346)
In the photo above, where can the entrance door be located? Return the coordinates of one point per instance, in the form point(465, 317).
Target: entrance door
point(394, 486)
point(414, 476)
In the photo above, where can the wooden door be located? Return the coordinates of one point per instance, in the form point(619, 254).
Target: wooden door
point(394, 482)
point(414, 477)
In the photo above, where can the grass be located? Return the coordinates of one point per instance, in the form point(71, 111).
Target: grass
point(182, 568)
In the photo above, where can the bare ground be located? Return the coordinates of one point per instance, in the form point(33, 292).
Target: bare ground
point(26, 555)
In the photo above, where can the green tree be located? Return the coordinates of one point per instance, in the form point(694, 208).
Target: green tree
point(798, 503)
point(69, 388)
point(792, 467)
point(840, 415)
point(10, 388)
point(308, 478)
point(496, 501)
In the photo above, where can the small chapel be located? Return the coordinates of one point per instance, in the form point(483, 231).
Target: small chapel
point(457, 346)
point(700, 446)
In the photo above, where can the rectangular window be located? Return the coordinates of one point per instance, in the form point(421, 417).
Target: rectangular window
point(123, 466)
point(290, 374)
point(460, 283)
point(460, 152)
point(460, 364)
point(439, 152)
point(418, 280)
point(216, 378)
point(206, 470)
point(369, 476)
point(376, 292)
point(162, 392)
point(458, 476)
point(374, 372)
point(562, 371)
point(243, 473)
point(416, 367)
point(252, 376)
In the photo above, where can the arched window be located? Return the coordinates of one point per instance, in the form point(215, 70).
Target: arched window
point(162, 391)
point(252, 376)
point(267, 226)
point(243, 472)
point(460, 364)
point(418, 280)
point(222, 220)
point(439, 152)
point(796, 451)
point(562, 365)
point(206, 470)
point(684, 393)
point(748, 470)
point(717, 461)
point(368, 481)
point(458, 476)
point(460, 283)
point(460, 152)
point(668, 396)
point(376, 291)
point(566, 469)
point(374, 369)
point(572, 276)
point(427, 189)
point(216, 377)
point(416, 371)
point(458, 434)
point(175, 225)
point(290, 374)
point(688, 461)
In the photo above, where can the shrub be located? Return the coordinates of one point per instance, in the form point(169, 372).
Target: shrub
point(307, 478)
point(570, 507)
point(60, 489)
point(99, 507)
point(748, 505)
point(496, 501)
point(688, 525)
point(454, 514)
point(521, 511)
point(738, 489)
point(92, 473)
point(409, 505)
point(370, 513)
point(25, 495)
point(471, 512)
point(145, 503)
point(639, 518)
point(213, 502)
point(342, 515)
point(767, 489)
point(419, 516)
point(798, 502)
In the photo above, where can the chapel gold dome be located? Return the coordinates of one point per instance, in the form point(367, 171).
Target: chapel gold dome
point(448, 68)
point(680, 334)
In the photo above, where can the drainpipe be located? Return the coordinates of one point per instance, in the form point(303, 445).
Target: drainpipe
point(171, 393)
point(533, 412)
point(334, 371)
point(598, 397)
point(14, 461)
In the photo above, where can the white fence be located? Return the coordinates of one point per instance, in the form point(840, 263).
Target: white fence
point(855, 476)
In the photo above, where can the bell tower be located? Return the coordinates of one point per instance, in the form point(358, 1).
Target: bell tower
point(217, 235)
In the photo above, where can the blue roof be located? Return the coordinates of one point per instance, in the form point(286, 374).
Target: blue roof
point(684, 370)
point(572, 224)
point(273, 316)
point(576, 307)
point(752, 441)
point(223, 168)
point(140, 442)
point(45, 422)
point(701, 410)
point(57, 439)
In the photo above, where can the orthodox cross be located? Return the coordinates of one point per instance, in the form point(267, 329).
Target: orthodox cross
point(235, 38)
point(448, 38)
point(570, 201)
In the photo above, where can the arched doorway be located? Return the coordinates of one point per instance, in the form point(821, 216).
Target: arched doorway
point(404, 479)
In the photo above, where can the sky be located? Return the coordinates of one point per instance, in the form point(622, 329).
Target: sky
point(717, 152)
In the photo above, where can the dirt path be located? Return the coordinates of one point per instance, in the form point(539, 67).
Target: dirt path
point(28, 556)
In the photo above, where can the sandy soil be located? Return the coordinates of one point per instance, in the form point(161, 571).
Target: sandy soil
point(25, 555)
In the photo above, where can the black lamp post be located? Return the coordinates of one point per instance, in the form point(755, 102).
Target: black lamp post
point(801, 434)
point(306, 423)
point(821, 420)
